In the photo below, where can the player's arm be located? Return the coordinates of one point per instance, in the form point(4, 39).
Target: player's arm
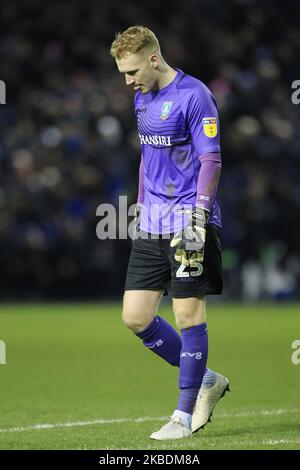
point(208, 180)
point(207, 186)
point(203, 119)
point(204, 126)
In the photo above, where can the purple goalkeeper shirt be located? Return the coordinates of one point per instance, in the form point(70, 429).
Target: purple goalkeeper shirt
point(176, 125)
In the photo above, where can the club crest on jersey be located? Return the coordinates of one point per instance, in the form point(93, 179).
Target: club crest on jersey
point(166, 109)
point(210, 126)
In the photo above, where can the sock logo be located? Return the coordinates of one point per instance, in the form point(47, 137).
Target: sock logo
point(196, 355)
point(156, 344)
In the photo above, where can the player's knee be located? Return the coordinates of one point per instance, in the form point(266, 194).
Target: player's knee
point(183, 319)
point(133, 321)
point(189, 312)
point(186, 319)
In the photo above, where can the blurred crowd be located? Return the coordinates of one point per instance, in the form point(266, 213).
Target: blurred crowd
point(68, 139)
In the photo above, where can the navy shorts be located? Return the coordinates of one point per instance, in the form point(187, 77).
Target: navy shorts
point(152, 266)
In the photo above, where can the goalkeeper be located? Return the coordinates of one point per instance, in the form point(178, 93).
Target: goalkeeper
point(177, 239)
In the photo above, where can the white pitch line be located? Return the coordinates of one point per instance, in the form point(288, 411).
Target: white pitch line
point(81, 423)
point(259, 413)
point(194, 445)
point(272, 442)
point(74, 424)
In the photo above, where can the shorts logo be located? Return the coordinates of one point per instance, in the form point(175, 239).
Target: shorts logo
point(210, 126)
point(166, 109)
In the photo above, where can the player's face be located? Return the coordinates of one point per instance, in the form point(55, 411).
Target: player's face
point(139, 70)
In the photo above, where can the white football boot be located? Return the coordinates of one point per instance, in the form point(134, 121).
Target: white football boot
point(207, 400)
point(174, 429)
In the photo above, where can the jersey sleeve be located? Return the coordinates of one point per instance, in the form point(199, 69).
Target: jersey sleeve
point(203, 121)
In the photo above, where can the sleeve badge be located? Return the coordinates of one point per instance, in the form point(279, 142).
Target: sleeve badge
point(210, 126)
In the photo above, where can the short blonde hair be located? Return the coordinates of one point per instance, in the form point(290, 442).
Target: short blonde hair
point(134, 39)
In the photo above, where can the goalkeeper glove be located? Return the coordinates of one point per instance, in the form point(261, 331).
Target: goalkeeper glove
point(190, 240)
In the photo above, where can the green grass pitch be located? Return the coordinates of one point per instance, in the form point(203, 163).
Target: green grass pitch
point(76, 378)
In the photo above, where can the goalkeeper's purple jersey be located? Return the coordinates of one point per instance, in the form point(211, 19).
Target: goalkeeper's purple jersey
point(176, 125)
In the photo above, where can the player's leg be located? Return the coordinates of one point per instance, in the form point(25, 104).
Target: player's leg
point(140, 315)
point(200, 388)
point(148, 275)
point(210, 378)
point(190, 318)
point(214, 385)
point(186, 284)
point(139, 308)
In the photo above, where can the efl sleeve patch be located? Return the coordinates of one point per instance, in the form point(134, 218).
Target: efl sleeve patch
point(210, 126)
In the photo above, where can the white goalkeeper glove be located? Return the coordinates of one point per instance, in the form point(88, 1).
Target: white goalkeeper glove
point(190, 240)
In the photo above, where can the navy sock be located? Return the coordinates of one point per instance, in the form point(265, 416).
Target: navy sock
point(161, 338)
point(193, 360)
